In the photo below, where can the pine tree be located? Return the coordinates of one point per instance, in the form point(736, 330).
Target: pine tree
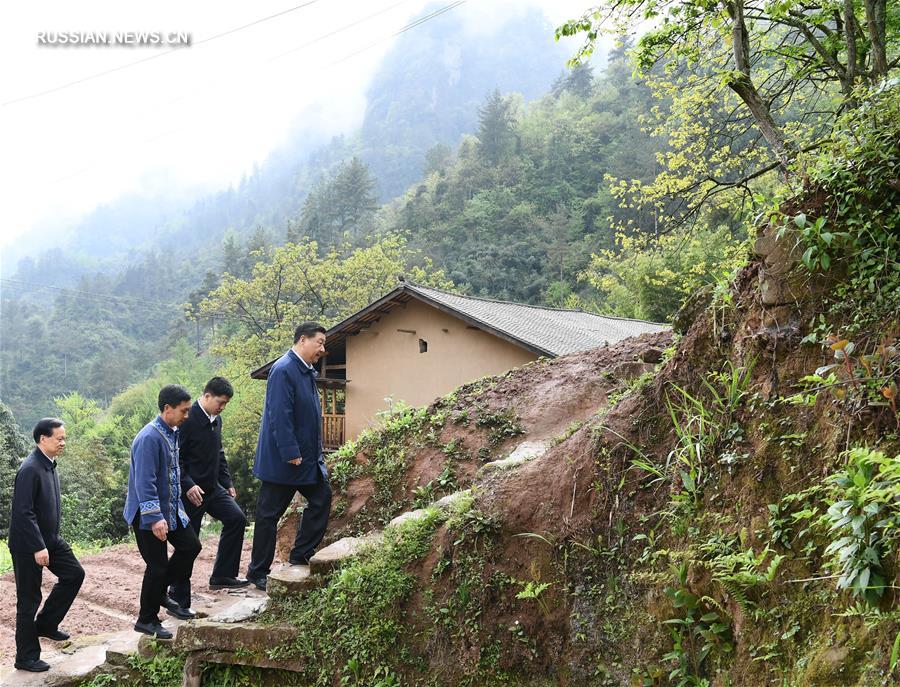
point(495, 128)
point(231, 254)
point(579, 81)
point(354, 198)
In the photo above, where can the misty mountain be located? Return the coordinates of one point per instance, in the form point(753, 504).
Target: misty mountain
point(425, 92)
point(431, 83)
point(127, 268)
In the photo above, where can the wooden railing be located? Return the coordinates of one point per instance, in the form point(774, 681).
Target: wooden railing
point(332, 431)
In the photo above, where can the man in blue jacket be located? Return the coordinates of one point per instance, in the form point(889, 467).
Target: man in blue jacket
point(289, 455)
point(154, 510)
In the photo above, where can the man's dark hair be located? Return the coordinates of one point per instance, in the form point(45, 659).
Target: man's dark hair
point(307, 329)
point(45, 427)
point(219, 386)
point(172, 395)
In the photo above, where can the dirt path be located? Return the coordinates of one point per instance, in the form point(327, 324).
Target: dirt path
point(108, 600)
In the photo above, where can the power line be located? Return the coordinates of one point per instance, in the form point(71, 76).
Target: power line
point(156, 56)
point(307, 44)
point(404, 29)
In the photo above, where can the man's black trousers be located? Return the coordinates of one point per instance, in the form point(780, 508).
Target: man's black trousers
point(162, 571)
point(272, 502)
point(69, 574)
point(224, 508)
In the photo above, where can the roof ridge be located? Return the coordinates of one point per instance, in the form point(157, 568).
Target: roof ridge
point(413, 284)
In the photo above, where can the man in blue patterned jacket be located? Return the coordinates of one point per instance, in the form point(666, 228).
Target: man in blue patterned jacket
point(153, 508)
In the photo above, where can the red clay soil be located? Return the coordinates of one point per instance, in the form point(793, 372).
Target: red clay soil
point(108, 600)
point(546, 397)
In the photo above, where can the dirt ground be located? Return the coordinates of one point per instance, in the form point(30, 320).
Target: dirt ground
point(108, 600)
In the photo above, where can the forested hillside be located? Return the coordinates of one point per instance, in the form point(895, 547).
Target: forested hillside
point(128, 268)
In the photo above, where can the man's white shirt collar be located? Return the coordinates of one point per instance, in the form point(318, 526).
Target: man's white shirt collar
point(212, 418)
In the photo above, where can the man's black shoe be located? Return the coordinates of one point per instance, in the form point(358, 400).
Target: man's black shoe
point(299, 561)
point(175, 609)
point(227, 582)
point(156, 629)
point(56, 635)
point(35, 666)
point(258, 582)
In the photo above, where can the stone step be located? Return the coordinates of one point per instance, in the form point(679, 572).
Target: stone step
point(72, 664)
point(332, 556)
point(292, 579)
point(524, 452)
point(240, 643)
point(243, 610)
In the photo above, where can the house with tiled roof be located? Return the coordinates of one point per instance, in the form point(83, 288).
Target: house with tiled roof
point(417, 343)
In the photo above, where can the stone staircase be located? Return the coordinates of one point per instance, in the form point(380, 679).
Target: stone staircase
point(74, 661)
point(238, 640)
point(232, 635)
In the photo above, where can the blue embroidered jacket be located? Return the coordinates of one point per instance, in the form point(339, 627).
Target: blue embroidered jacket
point(154, 481)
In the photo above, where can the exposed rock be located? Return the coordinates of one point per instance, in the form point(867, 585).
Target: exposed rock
point(450, 499)
point(245, 609)
point(629, 370)
point(206, 635)
point(780, 282)
point(409, 515)
point(291, 579)
point(344, 549)
point(527, 450)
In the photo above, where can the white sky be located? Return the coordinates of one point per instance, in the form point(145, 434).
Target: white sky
point(195, 119)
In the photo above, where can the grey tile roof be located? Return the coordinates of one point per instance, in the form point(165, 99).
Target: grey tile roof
point(556, 332)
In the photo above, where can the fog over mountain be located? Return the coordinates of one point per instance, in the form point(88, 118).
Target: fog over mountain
point(425, 91)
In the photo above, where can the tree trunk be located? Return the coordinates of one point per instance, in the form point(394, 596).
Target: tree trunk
point(875, 23)
point(746, 90)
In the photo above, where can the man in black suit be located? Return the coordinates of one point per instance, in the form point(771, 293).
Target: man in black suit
point(207, 487)
point(35, 544)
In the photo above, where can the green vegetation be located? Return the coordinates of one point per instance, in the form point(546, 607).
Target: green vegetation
point(163, 669)
point(863, 520)
point(356, 626)
point(856, 231)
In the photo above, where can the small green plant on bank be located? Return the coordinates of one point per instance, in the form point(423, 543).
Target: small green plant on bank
point(743, 572)
point(442, 484)
point(864, 515)
point(700, 634)
point(702, 425)
point(533, 589)
point(501, 424)
point(226, 675)
point(162, 669)
point(858, 379)
point(567, 433)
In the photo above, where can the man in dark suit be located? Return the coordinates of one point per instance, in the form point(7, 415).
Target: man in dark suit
point(35, 544)
point(207, 488)
point(289, 455)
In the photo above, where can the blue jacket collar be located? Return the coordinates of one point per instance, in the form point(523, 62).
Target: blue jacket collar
point(306, 369)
